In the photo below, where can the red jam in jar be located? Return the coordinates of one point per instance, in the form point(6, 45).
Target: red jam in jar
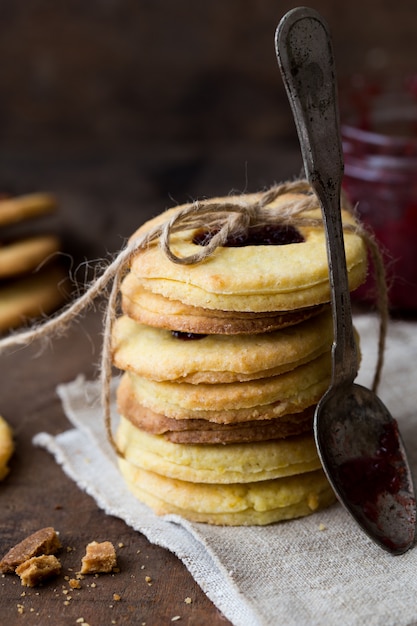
point(379, 133)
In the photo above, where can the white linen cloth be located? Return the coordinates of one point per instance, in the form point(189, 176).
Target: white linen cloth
point(317, 571)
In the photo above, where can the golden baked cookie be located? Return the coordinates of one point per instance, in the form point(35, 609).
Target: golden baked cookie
point(31, 296)
point(6, 447)
point(217, 463)
point(202, 431)
point(26, 254)
point(226, 403)
point(252, 277)
point(19, 208)
point(155, 310)
point(161, 355)
point(258, 503)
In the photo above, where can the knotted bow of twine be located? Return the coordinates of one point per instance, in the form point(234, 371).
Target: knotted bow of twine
point(224, 217)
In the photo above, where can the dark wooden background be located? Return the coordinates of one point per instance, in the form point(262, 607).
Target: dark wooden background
point(123, 108)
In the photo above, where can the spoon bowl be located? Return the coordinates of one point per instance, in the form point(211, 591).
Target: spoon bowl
point(360, 446)
point(357, 439)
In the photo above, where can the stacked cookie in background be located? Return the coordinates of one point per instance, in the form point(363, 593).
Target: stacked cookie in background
point(31, 277)
point(224, 362)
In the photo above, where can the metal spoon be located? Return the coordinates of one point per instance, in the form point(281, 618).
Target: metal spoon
point(357, 439)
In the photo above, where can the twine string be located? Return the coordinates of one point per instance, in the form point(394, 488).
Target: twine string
point(225, 218)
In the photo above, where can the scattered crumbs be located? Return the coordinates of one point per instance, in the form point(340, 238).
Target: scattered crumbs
point(23, 594)
point(137, 551)
point(175, 618)
point(93, 585)
point(142, 567)
point(148, 579)
point(65, 591)
point(117, 597)
point(20, 608)
point(66, 603)
point(79, 576)
point(187, 600)
point(66, 578)
point(121, 545)
point(322, 527)
point(74, 583)
point(79, 620)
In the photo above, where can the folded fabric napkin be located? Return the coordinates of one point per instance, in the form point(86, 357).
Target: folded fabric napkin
point(321, 570)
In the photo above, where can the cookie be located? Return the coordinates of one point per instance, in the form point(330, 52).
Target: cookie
point(203, 431)
point(234, 463)
point(155, 310)
point(239, 504)
point(252, 278)
point(227, 403)
point(26, 254)
point(19, 208)
point(161, 355)
point(31, 296)
point(6, 447)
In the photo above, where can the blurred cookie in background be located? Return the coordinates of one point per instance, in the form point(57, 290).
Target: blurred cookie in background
point(33, 279)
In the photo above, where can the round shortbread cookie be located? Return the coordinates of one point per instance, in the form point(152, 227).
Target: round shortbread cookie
point(31, 296)
point(26, 254)
point(19, 208)
point(217, 463)
point(159, 355)
point(202, 431)
point(259, 503)
point(155, 310)
point(6, 447)
point(225, 403)
point(253, 277)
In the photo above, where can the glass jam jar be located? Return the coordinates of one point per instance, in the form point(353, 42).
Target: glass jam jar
point(379, 134)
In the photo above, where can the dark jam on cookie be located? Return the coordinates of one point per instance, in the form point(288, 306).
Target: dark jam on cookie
point(265, 235)
point(178, 334)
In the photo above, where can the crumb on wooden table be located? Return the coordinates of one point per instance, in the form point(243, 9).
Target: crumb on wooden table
point(100, 558)
point(38, 569)
point(43, 542)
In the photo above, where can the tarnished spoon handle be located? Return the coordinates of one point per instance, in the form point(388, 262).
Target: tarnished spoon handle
point(305, 57)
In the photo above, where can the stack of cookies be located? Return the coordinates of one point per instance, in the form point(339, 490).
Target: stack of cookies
point(30, 275)
point(224, 362)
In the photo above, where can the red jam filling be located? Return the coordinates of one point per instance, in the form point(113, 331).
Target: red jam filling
point(266, 235)
point(178, 334)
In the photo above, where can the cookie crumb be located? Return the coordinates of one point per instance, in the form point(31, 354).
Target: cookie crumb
point(43, 541)
point(99, 558)
point(322, 527)
point(74, 583)
point(37, 569)
point(117, 597)
point(188, 600)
